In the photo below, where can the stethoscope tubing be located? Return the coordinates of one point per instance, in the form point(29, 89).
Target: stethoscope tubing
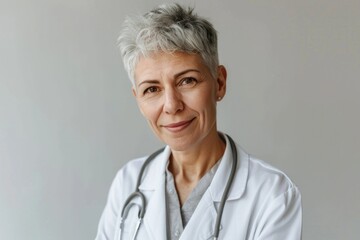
point(227, 188)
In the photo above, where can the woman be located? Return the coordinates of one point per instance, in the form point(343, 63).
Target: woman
point(202, 185)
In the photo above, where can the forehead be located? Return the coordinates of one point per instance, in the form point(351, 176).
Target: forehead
point(160, 64)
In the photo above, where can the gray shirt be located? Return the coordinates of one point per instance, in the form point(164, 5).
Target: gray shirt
point(177, 217)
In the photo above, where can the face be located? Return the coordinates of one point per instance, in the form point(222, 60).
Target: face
point(177, 95)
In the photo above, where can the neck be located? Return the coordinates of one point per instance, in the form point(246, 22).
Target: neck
point(192, 164)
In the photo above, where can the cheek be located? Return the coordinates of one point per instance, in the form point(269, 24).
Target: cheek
point(204, 100)
point(148, 110)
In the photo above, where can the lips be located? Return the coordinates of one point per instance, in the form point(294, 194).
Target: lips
point(178, 126)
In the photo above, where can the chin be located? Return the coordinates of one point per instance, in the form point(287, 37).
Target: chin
point(181, 143)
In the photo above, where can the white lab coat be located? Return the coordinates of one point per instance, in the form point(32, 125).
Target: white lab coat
point(263, 203)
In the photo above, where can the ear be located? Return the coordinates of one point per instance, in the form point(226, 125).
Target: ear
point(221, 82)
point(133, 91)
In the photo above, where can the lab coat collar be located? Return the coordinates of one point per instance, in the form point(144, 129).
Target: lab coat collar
point(154, 174)
point(219, 182)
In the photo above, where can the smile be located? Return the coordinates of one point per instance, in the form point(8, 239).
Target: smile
point(179, 126)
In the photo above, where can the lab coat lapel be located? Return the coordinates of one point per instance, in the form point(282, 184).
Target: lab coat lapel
point(221, 177)
point(202, 222)
point(155, 216)
point(153, 186)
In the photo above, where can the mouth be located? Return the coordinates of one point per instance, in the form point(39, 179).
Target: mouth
point(178, 126)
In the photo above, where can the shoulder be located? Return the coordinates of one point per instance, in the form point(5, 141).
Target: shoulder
point(131, 167)
point(268, 181)
point(278, 201)
point(129, 172)
point(127, 176)
point(255, 178)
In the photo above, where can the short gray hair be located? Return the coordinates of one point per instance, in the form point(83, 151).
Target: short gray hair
point(168, 28)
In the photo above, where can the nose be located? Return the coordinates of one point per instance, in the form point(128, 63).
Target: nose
point(172, 102)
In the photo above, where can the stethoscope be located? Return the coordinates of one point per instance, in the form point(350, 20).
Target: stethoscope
point(142, 206)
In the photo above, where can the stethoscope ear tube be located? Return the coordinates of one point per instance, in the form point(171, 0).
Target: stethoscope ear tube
point(147, 161)
point(127, 205)
point(126, 208)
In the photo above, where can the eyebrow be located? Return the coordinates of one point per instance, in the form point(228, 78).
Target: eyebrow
point(175, 76)
point(185, 71)
point(148, 81)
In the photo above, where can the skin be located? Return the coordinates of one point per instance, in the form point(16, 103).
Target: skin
point(177, 95)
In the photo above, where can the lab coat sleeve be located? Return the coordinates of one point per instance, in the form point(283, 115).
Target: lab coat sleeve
point(282, 218)
point(106, 227)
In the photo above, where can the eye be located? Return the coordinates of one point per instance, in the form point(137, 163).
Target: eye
point(188, 82)
point(151, 90)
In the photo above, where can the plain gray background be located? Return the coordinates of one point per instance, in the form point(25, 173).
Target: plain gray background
point(68, 120)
